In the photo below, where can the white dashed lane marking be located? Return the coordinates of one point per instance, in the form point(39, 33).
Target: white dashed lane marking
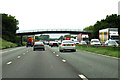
point(82, 77)
point(63, 60)
point(9, 62)
point(53, 52)
point(57, 55)
point(18, 57)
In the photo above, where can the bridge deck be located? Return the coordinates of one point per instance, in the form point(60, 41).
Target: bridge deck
point(42, 31)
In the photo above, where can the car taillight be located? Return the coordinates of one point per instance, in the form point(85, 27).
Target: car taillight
point(42, 45)
point(62, 44)
point(34, 45)
point(73, 45)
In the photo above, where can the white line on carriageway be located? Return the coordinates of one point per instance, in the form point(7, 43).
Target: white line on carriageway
point(10, 62)
point(11, 50)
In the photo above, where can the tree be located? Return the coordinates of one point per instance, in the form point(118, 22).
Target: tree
point(89, 28)
point(67, 35)
point(61, 37)
point(44, 37)
point(111, 21)
point(9, 27)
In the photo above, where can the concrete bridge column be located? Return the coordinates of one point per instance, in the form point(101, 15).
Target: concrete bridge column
point(21, 39)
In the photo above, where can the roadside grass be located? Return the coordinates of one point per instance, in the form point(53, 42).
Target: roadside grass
point(109, 51)
point(5, 44)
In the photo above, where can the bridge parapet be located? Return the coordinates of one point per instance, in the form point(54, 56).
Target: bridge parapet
point(39, 31)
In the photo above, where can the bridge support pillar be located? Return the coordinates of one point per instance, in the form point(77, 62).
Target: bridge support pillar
point(21, 40)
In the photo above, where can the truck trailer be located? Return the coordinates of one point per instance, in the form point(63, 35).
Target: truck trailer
point(30, 41)
point(108, 34)
point(83, 37)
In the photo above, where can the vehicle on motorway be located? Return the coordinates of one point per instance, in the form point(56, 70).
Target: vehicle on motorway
point(53, 44)
point(30, 41)
point(76, 42)
point(108, 33)
point(95, 42)
point(50, 43)
point(46, 42)
point(38, 45)
point(66, 38)
point(59, 42)
point(67, 45)
point(111, 43)
point(83, 37)
point(82, 43)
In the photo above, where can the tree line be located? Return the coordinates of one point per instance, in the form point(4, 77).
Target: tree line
point(9, 27)
point(111, 21)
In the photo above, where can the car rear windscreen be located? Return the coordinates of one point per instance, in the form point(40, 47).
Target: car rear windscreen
point(38, 42)
point(68, 42)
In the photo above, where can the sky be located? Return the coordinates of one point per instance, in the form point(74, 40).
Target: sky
point(58, 14)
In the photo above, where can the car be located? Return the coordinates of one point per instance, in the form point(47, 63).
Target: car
point(59, 42)
point(38, 45)
point(95, 42)
point(46, 42)
point(82, 43)
point(76, 42)
point(67, 45)
point(53, 43)
point(50, 43)
point(111, 43)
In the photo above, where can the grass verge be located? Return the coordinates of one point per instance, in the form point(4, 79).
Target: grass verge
point(5, 44)
point(109, 51)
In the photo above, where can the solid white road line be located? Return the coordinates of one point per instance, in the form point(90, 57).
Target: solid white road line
point(82, 76)
point(66, 53)
point(103, 55)
point(9, 62)
point(12, 50)
point(63, 60)
point(5, 51)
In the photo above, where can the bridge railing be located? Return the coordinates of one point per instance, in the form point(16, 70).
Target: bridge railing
point(40, 30)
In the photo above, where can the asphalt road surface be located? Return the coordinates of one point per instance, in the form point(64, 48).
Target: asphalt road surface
point(90, 64)
point(23, 62)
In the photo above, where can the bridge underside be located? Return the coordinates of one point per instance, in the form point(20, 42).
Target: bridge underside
point(50, 32)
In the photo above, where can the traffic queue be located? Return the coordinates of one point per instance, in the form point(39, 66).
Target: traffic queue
point(107, 37)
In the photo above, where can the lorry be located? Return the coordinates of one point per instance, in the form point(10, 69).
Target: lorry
point(108, 34)
point(83, 37)
point(30, 41)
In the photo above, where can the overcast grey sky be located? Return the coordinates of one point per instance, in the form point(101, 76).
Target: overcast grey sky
point(58, 14)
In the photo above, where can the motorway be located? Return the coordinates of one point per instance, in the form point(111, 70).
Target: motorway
point(22, 62)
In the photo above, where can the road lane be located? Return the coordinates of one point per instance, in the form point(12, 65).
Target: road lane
point(37, 64)
point(12, 54)
point(91, 65)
